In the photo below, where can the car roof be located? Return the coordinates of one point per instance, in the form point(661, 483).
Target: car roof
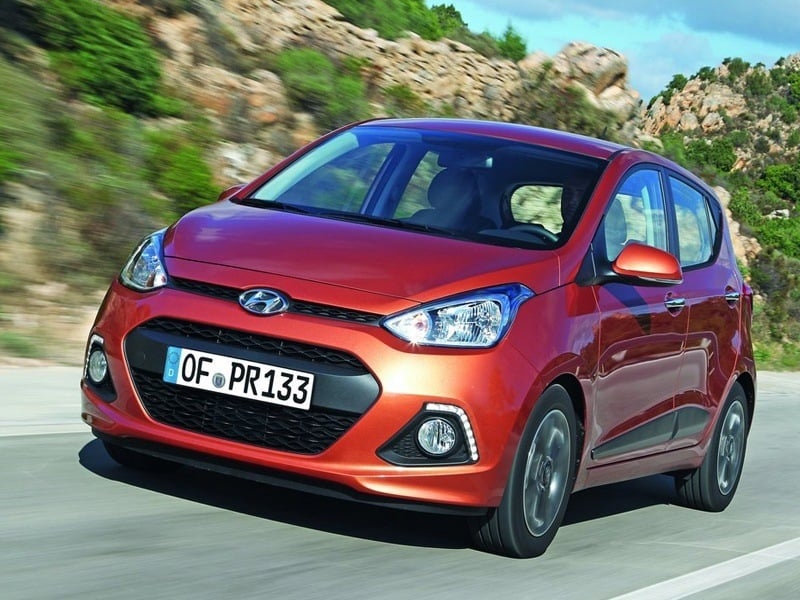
point(549, 138)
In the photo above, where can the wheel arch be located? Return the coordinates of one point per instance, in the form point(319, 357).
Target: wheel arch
point(748, 383)
point(573, 387)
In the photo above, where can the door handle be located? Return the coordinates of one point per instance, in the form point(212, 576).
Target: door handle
point(732, 296)
point(675, 304)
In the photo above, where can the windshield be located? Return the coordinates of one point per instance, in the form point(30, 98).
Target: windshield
point(466, 186)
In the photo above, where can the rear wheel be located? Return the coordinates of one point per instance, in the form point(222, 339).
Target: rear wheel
point(136, 460)
point(712, 485)
point(538, 488)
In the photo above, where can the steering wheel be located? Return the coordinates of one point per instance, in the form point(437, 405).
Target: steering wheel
point(536, 229)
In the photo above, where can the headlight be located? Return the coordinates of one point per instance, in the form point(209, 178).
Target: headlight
point(475, 320)
point(145, 270)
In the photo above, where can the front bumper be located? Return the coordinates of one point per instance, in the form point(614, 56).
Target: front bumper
point(372, 402)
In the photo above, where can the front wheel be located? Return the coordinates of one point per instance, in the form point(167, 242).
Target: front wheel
point(712, 485)
point(540, 483)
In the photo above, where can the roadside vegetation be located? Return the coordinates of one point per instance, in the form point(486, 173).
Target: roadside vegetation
point(760, 166)
point(109, 153)
point(394, 18)
point(97, 174)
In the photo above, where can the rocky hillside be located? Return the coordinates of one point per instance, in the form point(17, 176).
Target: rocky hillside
point(754, 107)
point(219, 54)
point(114, 138)
point(738, 125)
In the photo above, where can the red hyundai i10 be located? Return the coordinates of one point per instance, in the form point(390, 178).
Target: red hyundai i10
point(443, 315)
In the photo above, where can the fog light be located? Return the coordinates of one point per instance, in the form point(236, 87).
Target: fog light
point(97, 366)
point(436, 436)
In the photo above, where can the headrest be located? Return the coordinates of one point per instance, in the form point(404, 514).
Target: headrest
point(453, 188)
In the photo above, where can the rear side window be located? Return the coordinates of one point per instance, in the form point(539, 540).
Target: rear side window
point(697, 231)
point(538, 204)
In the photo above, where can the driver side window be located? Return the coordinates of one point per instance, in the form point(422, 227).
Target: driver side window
point(636, 214)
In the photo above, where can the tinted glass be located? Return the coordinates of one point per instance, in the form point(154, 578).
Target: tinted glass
point(636, 213)
point(697, 231)
point(474, 187)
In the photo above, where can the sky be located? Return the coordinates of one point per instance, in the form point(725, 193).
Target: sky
point(659, 39)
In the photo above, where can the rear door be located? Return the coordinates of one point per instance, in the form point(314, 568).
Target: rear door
point(711, 290)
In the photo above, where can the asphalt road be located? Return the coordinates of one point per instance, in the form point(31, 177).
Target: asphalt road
point(74, 524)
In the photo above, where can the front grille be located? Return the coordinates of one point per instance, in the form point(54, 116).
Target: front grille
point(333, 312)
point(295, 306)
point(239, 419)
point(250, 341)
point(206, 289)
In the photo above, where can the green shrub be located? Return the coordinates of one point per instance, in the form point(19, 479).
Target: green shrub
point(761, 145)
point(674, 148)
point(401, 101)
point(511, 45)
point(308, 76)
point(549, 105)
point(391, 18)
point(449, 19)
point(718, 154)
point(777, 277)
point(758, 84)
point(708, 74)
point(99, 53)
point(738, 138)
point(744, 209)
point(783, 180)
point(19, 345)
point(779, 76)
point(483, 43)
point(736, 67)
point(313, 83)
point(794, 87)
point(178, 170)
point(782, 234)
point(9, 161)
point(676, 84)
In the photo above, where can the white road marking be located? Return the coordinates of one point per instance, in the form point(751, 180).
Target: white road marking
point(704, 579)
point(29, 430)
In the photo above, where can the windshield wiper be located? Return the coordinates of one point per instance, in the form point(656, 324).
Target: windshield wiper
point(348, 216)
point(388, 222)
point(276, 205)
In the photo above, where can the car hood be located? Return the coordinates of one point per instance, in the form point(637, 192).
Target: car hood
point(377, 259)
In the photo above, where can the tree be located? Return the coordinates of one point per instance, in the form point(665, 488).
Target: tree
point(512, 45)
point(736, 67)
point(449, 19)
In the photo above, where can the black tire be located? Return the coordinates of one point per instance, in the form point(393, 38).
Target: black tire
point(539, 485)
point(136, 460)
point(712, 485)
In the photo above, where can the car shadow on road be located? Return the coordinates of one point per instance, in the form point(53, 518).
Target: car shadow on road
point(350, 518)
point(617, 498)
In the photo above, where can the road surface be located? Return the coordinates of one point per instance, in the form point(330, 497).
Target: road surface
point(73, 524)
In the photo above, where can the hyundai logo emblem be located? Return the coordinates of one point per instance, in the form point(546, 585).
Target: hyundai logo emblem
point(263, 302)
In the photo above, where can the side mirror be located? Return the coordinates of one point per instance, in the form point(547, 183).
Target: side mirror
point(647, 265)
point(228, 192)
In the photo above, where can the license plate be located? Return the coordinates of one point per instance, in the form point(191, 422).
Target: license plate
point(235, 377)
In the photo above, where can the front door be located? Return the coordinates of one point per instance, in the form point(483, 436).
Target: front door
point(642, 332)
